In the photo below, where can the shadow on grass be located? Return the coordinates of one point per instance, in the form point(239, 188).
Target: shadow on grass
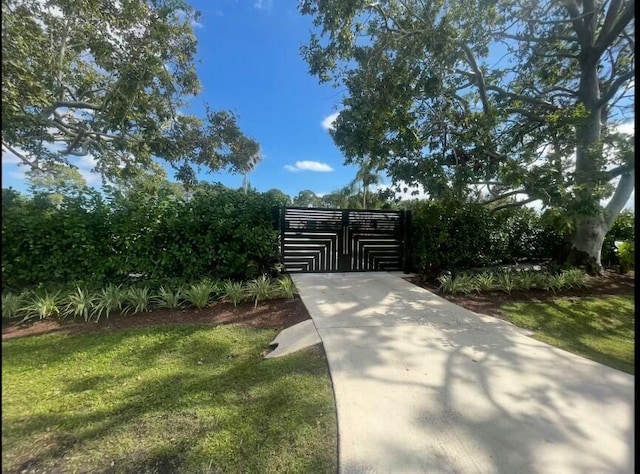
point(178, 399)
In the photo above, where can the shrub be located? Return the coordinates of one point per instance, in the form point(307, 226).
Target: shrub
point(168, 298)
point(287, 287)
point(79, 303)
point(526, 280)
point(233, 291)
point(485, 281)
point(574, 278)
point(42, 305)
point(137, 300)
point(626, 254)
point(12, 305)
point(461, 283)
point(506, 281)
point(261, 289)
point(107, 300)
point(200, 294)
point(622, 229)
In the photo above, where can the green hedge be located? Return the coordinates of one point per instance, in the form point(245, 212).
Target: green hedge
point(216, 232)
point(449, 235)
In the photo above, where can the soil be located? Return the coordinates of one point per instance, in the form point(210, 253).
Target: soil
point(609, 284)
point(273, 314)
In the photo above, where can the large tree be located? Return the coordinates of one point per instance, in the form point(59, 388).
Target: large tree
point(110, 79)
point(519, 96)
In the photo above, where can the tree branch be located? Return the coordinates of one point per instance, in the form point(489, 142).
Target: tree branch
point(479, 78)
point(623, 20)
point(76, 105)
point(523, 98)
point(514, 204)
point(619, 198)
point(609, 18)
point(574, 14)
point(31, 163)
point(613, 88)
point(622, 169)
point(505, 195)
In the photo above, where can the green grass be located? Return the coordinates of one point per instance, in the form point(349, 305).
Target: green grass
point(601, 329)
point(180, 399)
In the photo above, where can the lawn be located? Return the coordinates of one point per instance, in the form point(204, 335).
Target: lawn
point(601, 329)
point(175, 398)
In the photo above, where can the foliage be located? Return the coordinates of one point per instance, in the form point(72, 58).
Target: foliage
point(509, 281)
point(108, 299)
point(43, 242)
point(109, 80)
point(461, 283)
point(137, 300)
point(200, 294)
point(623, 228)
point(233, 291)
point(601, 329)
point(151, 229)
point(450, 235)
point(287, 287)
point(627, 255)
point(12, 305)
point(506, 281)
point(42, 305)
point(261, 288)
point(198, 399)
point(79, 303)
point(428, 97)
point(485, 281)
point(169, 298)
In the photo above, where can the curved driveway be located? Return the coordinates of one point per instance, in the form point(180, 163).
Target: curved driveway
point(423, 385)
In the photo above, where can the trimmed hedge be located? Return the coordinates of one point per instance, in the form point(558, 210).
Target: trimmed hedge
point(449, 235)
point(217, 232)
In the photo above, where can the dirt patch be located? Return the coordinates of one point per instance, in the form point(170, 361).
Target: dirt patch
point(609, 284)
point(274, 314)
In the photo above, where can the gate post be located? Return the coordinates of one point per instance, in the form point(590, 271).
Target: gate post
point(406, 247)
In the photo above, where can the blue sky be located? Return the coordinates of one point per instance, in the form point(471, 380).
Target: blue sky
point(249, 62)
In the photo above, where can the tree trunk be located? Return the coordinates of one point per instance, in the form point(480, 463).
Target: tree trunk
point(588, 236)
point(586, 244)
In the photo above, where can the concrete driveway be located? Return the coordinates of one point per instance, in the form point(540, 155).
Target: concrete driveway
point(423, 385)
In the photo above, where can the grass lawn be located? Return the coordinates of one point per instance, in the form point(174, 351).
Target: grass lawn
point(179, 399)
point(601, 329)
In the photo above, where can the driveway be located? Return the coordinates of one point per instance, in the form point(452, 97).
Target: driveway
point(423, 385)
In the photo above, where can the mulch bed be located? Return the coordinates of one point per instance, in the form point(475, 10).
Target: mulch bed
point(274, 314)
point(609, 284)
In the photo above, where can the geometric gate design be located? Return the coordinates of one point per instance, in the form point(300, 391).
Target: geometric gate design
point(343, 240)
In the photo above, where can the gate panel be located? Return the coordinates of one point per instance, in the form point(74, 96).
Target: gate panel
point(331, 240)
point(311, 239)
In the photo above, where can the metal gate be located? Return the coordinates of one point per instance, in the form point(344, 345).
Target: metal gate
point(343, 240)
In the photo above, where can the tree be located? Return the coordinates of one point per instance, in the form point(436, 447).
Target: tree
point(307, 198)
point(109, 79)
point(57, 182)
point(367, 175)
point(519, 97)
point(278, 196)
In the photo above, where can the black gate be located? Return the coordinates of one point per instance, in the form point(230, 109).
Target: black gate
point(343, 240)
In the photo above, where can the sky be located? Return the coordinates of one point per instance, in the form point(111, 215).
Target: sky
point(249, 62)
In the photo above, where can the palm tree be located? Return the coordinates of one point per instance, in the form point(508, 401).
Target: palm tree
point(367, 175)
point(247, 167)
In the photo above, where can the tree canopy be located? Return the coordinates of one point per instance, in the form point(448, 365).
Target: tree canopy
point(519, 97)
point(110, 79)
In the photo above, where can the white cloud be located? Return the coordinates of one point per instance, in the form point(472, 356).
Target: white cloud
point(328, 122)
point(263, 4)
point(309, 166)
point(629, 127)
